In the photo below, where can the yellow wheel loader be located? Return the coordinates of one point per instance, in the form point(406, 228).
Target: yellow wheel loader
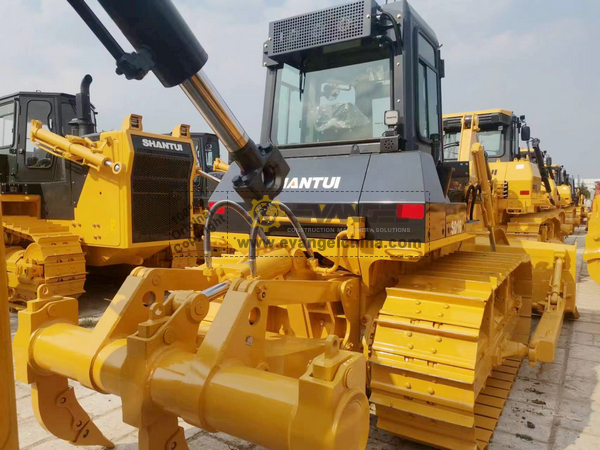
point(350, 276)
point(522, 183)
point(73, 198)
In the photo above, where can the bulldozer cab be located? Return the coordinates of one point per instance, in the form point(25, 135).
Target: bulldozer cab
point(557, 174)
point(329, 86)
point(22, 164)
point(499, 135)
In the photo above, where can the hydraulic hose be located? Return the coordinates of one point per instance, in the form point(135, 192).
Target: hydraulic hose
point(396, 29)
point(256, 229)
point(211, 213)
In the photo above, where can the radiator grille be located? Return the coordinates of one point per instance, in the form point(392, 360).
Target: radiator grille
point(337, 24)
point(160, 201)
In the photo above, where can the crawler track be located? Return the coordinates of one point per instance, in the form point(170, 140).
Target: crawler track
point(46, 255)
point(445, 348)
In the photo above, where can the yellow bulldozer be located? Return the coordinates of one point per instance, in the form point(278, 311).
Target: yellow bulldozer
point(581, 212)
point(73, 198)
point(567, 195)
point(522, 183)
point(347, 269)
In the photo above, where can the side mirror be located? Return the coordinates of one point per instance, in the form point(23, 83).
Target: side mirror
point(525, 133)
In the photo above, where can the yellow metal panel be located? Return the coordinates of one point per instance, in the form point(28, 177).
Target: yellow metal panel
point(592, 241)
point(9, 439)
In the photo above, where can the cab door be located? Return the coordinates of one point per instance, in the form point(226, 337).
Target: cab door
point(35, 165)
point(8, 114)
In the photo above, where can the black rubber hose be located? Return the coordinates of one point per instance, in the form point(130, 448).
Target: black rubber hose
point(396, 29)
point(256, 227)
point(237, 208)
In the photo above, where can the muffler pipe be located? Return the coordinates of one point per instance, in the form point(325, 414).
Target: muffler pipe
point(83, 124)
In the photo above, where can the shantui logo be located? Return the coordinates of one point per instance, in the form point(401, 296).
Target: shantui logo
point(266, 212)
point(312, 183)
point(162, 144)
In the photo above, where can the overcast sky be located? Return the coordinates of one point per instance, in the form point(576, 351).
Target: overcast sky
point(535, 57)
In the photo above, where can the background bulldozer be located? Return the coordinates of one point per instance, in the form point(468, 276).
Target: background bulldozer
point(348, 269)
point(527, 206)
point(567, 194)
point(90, 199)
point(208, 154)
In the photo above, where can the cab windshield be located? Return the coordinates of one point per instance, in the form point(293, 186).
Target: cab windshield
point(338, 104)
point(491, 140)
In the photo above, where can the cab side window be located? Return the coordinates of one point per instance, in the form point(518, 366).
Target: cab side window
point(67, 113)
point(198, 152)
point(211, 154)
point(38, 110)
point(427, 102)
point(7, 124)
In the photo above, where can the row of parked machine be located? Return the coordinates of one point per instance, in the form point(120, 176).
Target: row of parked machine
point(536, 199)
point(369, 256)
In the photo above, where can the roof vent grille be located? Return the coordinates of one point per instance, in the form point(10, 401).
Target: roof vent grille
point(331, 25)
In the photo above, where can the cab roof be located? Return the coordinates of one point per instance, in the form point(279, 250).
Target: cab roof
point(36, 94)
point(482, 112)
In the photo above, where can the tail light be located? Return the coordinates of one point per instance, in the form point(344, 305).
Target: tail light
point(524, 192)
point(410, 211)
point(221, 210)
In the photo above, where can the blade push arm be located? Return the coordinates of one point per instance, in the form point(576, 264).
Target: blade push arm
point(539, 158)
point(79, 150)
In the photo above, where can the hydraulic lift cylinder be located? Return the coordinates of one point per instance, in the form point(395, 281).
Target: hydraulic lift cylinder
point(165, 45)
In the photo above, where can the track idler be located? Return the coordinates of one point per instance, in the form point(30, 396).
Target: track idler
point(239, 377)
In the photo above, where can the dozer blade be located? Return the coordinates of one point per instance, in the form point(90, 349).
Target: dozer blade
point(448, 344)
point(543, 226)
point(543, 258)
point(593, 267)
point(59, 412)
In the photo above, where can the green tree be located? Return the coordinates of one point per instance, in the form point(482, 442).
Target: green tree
point(585, 191)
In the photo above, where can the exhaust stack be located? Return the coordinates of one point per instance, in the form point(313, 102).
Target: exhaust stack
point(83, 124)
point(165, 45)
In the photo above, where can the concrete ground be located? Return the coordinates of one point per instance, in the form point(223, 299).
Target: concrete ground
point(552, 406)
